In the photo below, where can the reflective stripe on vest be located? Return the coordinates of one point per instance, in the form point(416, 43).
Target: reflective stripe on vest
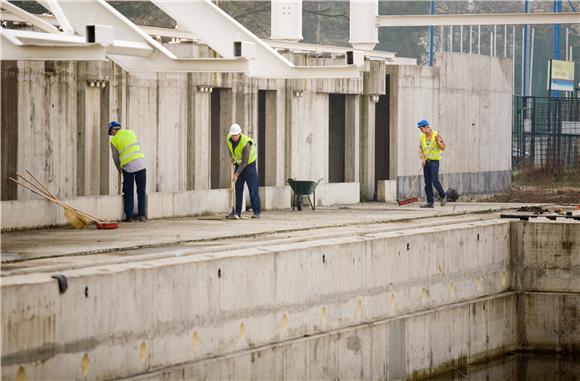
point(431, 150)
point(237, 154)
point(125, 141)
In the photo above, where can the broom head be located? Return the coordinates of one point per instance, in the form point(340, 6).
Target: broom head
point(406, 201)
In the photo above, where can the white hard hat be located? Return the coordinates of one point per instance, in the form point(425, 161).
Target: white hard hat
point(235, 129)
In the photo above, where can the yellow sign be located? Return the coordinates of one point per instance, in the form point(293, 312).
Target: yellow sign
point(563, 70)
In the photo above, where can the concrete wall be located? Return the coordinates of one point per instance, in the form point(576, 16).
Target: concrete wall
point(385, 305)
point(468, 99)
point(547, 256)
point(415, 345)
point(47, 126)
point(128, 319)
point(59, 130)
point(549, 321)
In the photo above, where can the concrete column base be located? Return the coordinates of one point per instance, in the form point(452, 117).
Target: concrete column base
point(387, 190)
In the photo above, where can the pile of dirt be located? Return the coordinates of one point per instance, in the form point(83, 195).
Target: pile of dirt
point(540, 194)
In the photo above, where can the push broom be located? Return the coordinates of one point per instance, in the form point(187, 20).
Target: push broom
point(233, 215)
point(410, 200)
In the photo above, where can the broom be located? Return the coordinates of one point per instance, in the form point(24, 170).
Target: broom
point(233, 215)
point(77, 218)
point(410, 200)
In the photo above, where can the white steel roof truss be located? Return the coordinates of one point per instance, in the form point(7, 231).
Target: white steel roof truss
point(56, 10)
point(219, 31)
point(27, 17)
point(137, 51)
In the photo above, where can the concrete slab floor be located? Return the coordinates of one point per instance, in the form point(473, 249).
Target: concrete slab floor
point(65, 248)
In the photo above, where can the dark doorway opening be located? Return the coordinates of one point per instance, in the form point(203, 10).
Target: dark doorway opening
point(215, 138)
point(262, 137)
point(382, 136)
point(336, 136)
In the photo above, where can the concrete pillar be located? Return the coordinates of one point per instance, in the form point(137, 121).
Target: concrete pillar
point(104, 150)
point(294, 110)
point(80, 146)
point(199, 137)
point(92, 140)
point(393, 91)
point(172, 126)
point(245, 109)
point(274, 139)
point(367, 146)
point(352, 139)
point(93, 111)
point(226, 119)
point(118, 112)
point(143, 117)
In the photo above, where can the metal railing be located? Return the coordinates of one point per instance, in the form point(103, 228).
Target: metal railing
point(546, 133)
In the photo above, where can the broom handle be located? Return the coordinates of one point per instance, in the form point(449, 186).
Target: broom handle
point(233, 189)
point(40, 184)
point(55, 198)
point(414, 182)
point(38, 188)
point(97, 220)
point(41, 190)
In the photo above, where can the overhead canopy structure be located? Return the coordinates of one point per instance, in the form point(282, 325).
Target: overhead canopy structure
point(365, 21)
point(480, 19)
point(112, 35)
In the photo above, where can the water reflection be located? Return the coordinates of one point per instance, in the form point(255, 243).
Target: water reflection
point(520, 367)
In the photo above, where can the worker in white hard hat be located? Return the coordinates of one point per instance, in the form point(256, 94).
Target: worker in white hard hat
point(243, 152)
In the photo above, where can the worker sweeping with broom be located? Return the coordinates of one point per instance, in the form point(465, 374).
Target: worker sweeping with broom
point(130, 160)
point(243, 152)
point(430, 149)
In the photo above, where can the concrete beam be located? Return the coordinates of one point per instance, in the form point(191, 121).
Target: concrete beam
point(479, 19)
point(46, 53)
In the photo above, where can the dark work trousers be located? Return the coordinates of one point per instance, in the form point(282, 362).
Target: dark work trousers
point(139, 178)
point(431, 173)
point(248, 176)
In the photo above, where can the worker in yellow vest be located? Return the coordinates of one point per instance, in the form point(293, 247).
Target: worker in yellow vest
point(129, 160)
point(430, 150)
point(243, 153)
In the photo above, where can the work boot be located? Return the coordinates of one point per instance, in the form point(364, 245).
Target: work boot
point(141, 219)
point(444, 201)
point(233, 216)
point(128, 220)
point(427, 205)
point(256, 215)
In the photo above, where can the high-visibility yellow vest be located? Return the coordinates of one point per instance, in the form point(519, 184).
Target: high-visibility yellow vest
point(125, 141)
point(431, 150)
point(237, 153)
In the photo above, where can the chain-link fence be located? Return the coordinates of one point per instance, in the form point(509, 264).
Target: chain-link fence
point(546, 134)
